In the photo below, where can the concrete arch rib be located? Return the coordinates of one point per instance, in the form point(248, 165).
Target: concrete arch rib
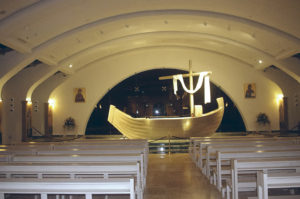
point(39, 81)
point(209, 14)
point(14, 92)
point(225, 17)
point(14, 64)
point(156, 38)
point(176, 47)
point(40, 96)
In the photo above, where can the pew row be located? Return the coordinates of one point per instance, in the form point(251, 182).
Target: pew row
point(217, 156)
point(227, 156)
point(275, 180)
point(87, 187)
point(195, 142)
point(106, 153)
point(206, 149)
point(211, 152)
point(86, 158)
point(259, 164)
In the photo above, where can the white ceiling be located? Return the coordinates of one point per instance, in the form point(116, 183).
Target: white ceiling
point(79, 32)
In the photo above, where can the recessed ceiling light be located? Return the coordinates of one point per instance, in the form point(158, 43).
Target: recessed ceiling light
point(70, 66)
point(260, 61)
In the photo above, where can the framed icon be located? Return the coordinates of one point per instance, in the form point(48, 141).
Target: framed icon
point(250, 90)
point(79, 95)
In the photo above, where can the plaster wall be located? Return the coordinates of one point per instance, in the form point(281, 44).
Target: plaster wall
point(14, 92)
point(230, 74)
point(291, 90)
point(40, 96)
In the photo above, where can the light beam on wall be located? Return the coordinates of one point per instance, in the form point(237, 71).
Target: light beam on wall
point(28, 100)
point(279, 98)
point(51, 103)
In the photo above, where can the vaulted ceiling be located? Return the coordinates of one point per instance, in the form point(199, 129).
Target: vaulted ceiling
point(64, 33)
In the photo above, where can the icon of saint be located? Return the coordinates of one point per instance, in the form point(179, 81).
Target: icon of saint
point(250, 93)
point(79, 96)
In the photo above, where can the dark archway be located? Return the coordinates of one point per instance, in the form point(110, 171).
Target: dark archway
point(143, 95)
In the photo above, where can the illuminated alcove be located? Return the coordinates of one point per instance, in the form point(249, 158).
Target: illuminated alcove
point(143, 95)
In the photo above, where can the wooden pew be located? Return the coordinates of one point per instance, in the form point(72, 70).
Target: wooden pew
point(211, 151)
point(259, 164)
point(85, 141)
point(227, 156)
point(237, 144)
point(103, 151)
point(235, 139)
point(106, 151)
point(73, 171)
point(240, 143)
point(4, 158)
point(84, 149)
point(88, 187)
point(86, 158)
point(48, 147)
point(275, 180)
point(78, 145)
point(195, 142)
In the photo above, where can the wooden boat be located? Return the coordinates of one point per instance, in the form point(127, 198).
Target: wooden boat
point(197, 125)
point(155, 128)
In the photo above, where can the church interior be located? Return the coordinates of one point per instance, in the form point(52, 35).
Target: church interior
point(149, 99)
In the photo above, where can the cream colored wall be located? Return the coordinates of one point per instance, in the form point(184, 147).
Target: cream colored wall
point(291, 90)
point(40, 96)
point(16, 88)
point(102, 75)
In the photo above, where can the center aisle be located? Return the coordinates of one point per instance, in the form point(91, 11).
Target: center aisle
point(175, 176)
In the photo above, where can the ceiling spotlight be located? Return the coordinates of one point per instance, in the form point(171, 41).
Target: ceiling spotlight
point(70, 66)
point(260, 61)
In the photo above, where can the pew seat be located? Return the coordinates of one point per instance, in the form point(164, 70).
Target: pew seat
point(87, 187)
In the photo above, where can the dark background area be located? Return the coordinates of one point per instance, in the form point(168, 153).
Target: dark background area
point(143, 95)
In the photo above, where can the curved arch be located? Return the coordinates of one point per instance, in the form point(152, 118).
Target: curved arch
point(163, 35)
point(226, 91)
point(210, 14)
point(140, 60)
point(220, 16)
point(150, 89)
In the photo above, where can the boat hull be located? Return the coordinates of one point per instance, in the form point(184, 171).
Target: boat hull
point(156, 128)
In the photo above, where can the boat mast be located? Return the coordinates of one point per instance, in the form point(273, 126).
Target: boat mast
point(192, 107)
point(190, 76)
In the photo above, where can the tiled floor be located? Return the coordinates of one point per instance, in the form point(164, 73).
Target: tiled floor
point(175, 176)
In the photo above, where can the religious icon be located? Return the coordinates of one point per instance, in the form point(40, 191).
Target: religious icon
point(250, 90)
point(79, 94)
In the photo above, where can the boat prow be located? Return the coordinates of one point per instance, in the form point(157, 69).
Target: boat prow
point(155, 128)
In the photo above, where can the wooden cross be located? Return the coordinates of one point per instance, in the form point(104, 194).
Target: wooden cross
point(190, 76)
